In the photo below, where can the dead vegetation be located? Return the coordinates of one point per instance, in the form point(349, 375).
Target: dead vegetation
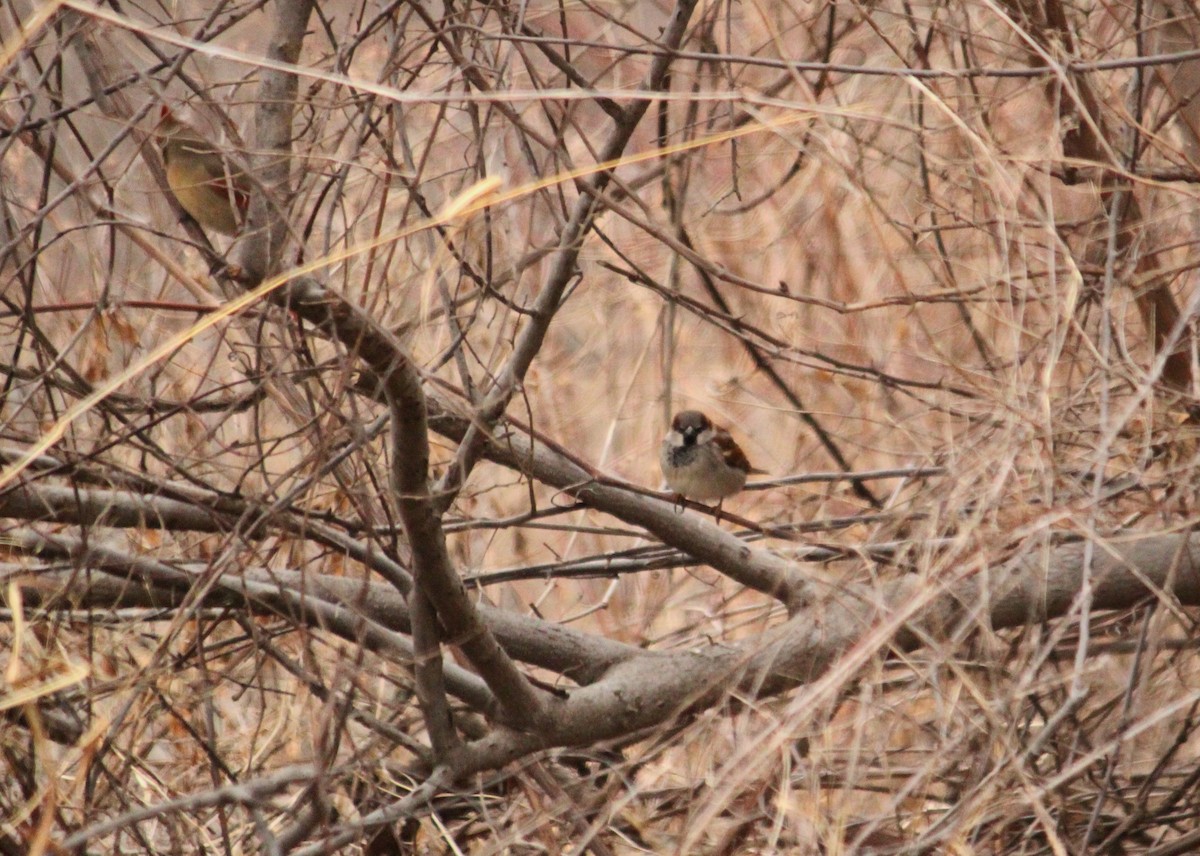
point(344, 535)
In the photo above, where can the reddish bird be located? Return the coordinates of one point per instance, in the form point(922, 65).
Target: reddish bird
point(201, 178)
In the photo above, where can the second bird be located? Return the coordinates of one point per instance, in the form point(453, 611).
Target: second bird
point(201, 177)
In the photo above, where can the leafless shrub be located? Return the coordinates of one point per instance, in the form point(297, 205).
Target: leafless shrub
point(346, 534)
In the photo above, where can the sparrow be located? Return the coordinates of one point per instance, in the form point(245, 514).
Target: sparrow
point(201, 178)
point(702, 461)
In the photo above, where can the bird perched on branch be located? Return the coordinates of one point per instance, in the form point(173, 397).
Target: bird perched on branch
point(206, 184)
point(701, 460)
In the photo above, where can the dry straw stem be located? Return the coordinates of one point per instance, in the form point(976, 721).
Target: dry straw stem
point(228, 309)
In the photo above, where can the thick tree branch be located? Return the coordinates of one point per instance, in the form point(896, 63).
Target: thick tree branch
point(548, 463)
point(432, 567)
point(267, 226)
point(652, 687)
point(580, 656)
point(110, 577)
point(644, 692)
point(185, 509)
point(262, 255)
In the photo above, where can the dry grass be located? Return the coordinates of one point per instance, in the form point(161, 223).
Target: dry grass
point(903, 252)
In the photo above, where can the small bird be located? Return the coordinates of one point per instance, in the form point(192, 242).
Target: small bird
point(702, 461)
point(206, 184)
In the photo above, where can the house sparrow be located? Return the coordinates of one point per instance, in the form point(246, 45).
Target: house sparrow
point(201, 178)
point(701, 461)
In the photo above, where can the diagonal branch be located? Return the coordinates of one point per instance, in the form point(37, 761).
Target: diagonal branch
point(433, 571)
point(262, 255)
point(563, 267)
point(826, 645)
point(549, 463)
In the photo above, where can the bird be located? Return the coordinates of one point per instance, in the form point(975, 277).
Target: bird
point(201, 178)
point(702, 461)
